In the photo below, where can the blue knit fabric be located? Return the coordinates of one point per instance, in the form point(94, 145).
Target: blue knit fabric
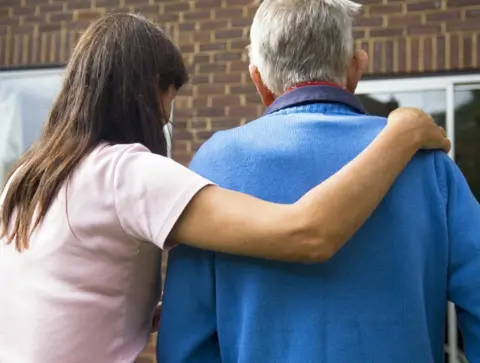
point(381, 299)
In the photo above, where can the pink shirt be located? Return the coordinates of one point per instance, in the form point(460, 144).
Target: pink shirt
point(85, 290)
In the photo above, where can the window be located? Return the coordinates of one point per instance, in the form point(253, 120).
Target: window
point(25, 101)
point(26, 98)
point(454, 103)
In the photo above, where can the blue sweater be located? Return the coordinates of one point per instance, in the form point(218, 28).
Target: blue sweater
point(381, 299)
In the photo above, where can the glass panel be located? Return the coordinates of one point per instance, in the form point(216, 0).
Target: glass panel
point(381, 104)
point(25, 101)
point(467, 134)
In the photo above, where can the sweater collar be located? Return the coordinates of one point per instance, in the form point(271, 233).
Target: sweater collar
point(315, 92)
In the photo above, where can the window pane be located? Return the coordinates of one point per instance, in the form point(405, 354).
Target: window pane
point(25, 101)
point(381, 104)
point(467, 136)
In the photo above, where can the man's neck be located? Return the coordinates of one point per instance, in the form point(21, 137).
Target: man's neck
point(315, 83)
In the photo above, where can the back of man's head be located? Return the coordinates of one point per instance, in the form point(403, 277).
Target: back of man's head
point(296, 41)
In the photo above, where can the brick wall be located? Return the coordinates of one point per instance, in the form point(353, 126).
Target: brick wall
point(402, 36)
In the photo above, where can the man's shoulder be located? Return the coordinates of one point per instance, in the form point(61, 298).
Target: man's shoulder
point(217, 156)
point(218, 146)
point(226, 144)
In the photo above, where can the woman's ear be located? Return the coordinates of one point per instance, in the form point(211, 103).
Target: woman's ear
point(265, 94)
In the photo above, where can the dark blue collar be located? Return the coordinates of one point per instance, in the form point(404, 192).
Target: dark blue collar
point(315, 94)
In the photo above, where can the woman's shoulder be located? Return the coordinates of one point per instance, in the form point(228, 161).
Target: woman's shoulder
point(114, 152)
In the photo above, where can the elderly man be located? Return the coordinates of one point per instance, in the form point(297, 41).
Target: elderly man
point(383, 297)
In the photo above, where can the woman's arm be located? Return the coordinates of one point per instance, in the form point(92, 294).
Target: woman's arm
point(322, 221)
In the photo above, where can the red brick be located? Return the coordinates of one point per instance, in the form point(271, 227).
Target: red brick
point(107, 3)
point(208, 4)
point(227, 78)
point(78, 4)
point(460, 3)
point(386, 9)
point(404, 19)
point(424, 29)
point(228, 34)
point(425, 5)
point(249, 112)
point(386, 32)
point(213, 24)
point(222, 123)
point(239, 3)
point(212, 67)
point(230, 13)
point(441, 53)
point(239, 44)
point(449, 15)
point(58, 17)
point(388, 48)
point(176, 7)
point(414, 54)
point(455, 51)
point(210, 112)
point(241, 22)
point(402, 55)
point(88, 14)
point(27, 10)
point(377, 57)
point(467, 51)
point(49, 8)
point(428, 55)
point(212, 46)
point(472, 13)
point(228, 56)
point(197, 15)
point(369, 22)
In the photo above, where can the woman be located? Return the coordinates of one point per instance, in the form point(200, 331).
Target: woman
point(87, 206)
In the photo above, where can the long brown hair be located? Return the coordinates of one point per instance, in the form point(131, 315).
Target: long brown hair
point(111, 93)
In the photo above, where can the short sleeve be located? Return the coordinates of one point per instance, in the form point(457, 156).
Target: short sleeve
point(151, 192)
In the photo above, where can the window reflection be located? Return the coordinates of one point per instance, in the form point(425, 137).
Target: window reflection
point(25, 101)
point(432, 102)
point(467, 136)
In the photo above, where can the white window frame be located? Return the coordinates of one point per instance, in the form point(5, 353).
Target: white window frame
point(22, 73)
point(450, 84)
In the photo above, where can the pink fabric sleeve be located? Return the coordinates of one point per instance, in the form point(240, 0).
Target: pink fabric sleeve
point(151, 192)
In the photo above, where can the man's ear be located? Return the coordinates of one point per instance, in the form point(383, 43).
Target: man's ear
point(265, 94)
point(358, 66)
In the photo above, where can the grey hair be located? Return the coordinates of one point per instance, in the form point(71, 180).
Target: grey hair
point(295, 41)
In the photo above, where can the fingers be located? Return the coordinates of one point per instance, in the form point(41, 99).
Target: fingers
point(421, 123)
point(447, 145)
point(444, 133)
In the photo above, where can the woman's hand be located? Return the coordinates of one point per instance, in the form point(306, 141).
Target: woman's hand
point(416, 124)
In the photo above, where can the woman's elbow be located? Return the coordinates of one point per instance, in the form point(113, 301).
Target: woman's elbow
point(320, 250)
point(311, 239)
point(317, 245)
